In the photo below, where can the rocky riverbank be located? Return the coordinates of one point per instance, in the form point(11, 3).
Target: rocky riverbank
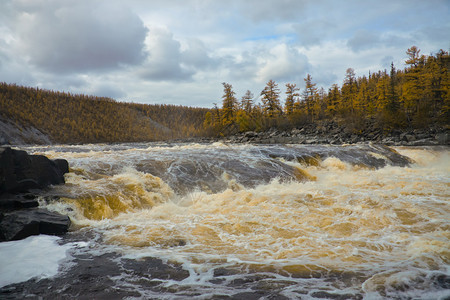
point(331, 133)
point(23, 177)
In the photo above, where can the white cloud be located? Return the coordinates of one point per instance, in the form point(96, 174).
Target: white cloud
point(67, 37)
point(164, 59)
point(282, 63)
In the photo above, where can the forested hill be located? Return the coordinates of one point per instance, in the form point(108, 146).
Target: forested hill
point(68, 118)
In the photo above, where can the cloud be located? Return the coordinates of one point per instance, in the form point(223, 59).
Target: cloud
point(107, 90)
point(283, 63)
point(164, 59)
point(313, 32)
point(197, 56)
point(363, 39)
point(267, 10)
point(138, 49)
point(168, 61)
point(79, 36)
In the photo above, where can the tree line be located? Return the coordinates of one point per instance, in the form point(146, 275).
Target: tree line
point(415, 97)
point(70, 118)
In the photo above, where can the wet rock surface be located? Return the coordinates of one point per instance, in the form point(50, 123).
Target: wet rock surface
point(19, 224)
point(110, 276)
point(20, 172)
point(22, 178)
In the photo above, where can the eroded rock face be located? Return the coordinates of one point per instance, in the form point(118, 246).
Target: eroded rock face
point(19, 224)
point(22, 176)
point(20, 172)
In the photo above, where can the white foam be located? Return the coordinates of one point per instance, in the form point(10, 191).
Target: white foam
point(35, 256)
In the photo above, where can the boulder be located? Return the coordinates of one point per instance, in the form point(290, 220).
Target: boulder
point(20, 172)
point(19, 224)
point(442, 138)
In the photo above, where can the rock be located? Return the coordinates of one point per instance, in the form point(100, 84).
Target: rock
point(20, 224)
point(311, 141)
point(442, 138)
point(10, 201)
point(250, 134)
point(423, 142)
point(62, 165)
point(410, 138)
point(20, 172)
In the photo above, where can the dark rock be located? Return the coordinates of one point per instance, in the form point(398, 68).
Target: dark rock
point(10, 201)
point(7, 178)
point(155, 268)
point(442, 138)
point(62, 165)
point(90, 277)
point(20, 172)
point(327, 295)
point(410, 138)
point(20, 224)
point(250, 134)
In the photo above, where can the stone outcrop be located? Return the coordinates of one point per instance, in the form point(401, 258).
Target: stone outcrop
point(22, 177)
point(332, 133)
point(13, 133)
point(19, 224)
point(20, 172)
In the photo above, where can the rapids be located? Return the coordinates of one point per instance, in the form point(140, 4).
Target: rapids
point(293, 221)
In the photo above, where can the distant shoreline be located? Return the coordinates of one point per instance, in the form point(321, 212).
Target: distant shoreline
point(334, 135)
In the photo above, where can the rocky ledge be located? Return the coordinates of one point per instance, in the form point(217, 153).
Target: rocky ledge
point(23, 177)
point(332, 133)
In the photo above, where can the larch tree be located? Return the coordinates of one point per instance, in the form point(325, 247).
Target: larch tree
point(247, 102)
point(271, 99)
point(348, 91)
point(229, 103)
point(309, 96)
point(291, 97)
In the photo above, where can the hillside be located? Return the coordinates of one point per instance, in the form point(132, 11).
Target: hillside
point(33, 115)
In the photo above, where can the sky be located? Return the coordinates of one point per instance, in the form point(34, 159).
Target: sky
point(181, 51)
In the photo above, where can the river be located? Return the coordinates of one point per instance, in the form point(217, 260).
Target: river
point(224, 221)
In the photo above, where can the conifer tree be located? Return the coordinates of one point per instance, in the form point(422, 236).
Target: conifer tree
point(291, 97)
point(309, 96)
point(271, 99)
point(229, 103)
point(247, 102)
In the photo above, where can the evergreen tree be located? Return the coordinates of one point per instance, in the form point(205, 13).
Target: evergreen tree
point(393, 104)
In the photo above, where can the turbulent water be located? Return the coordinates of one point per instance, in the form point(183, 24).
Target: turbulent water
point(250, 221)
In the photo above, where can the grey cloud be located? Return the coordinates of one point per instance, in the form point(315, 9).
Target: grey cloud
point(167, 61)
point(435, 34)
point(267, 10)
point(164, 60)
point(243, 68)
point(362, 40)
point(313, 32)
point(107, 90)
point(386, 62)
point(73, 36)
point(197, 56)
